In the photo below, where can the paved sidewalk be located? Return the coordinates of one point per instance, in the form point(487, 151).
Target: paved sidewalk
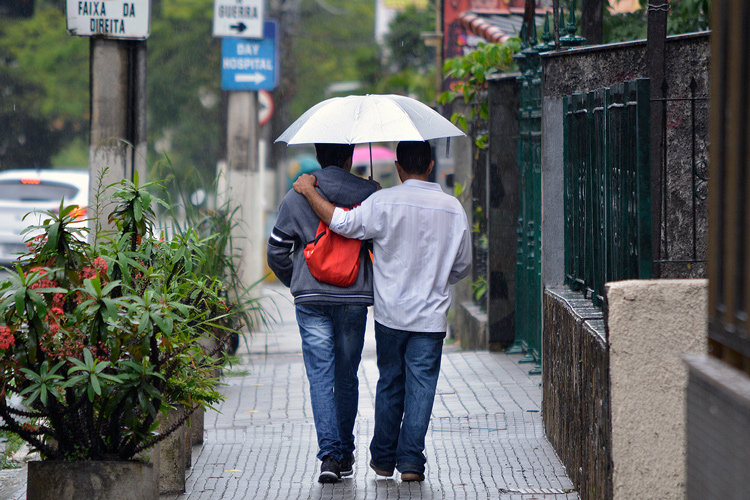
point(486, 439)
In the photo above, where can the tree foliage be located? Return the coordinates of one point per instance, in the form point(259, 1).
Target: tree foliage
point(184, 71)
point(43, 87)
point(470, 73)
point(330, 40)
point(409, 66)
point(685, 16)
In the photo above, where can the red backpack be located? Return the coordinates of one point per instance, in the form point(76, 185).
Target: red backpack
point(332, 258)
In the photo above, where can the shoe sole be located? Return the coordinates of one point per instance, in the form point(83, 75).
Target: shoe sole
point(411, 477)
point(345, 473)
point(380, 472)
point(328, 477)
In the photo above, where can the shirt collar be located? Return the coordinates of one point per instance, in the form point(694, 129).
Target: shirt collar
point(423, 184)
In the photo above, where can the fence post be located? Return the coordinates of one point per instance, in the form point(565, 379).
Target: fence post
point(655, 53)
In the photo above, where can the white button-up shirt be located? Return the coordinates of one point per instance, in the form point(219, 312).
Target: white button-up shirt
point(421, 245)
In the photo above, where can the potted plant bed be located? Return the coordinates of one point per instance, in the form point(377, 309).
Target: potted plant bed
point(100, 342)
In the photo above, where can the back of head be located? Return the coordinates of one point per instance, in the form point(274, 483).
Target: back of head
point(414, 156)
point(333, 154)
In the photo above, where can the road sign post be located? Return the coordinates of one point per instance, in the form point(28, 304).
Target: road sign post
point(118, 31)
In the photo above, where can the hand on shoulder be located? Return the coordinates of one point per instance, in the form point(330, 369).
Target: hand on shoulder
point(304, 183)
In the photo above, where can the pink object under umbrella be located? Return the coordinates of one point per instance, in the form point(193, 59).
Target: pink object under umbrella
point(379, 154)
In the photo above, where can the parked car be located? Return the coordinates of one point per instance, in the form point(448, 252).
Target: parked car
point(34, 192)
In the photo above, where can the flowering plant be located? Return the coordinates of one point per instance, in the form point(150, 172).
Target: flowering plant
point(97, 340)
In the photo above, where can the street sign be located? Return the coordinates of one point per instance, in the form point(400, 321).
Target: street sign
point(121, 19)
point(251, 64)
point(265, 107)
point(238, 18)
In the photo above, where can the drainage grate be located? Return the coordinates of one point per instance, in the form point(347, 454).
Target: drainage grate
point(537, 491)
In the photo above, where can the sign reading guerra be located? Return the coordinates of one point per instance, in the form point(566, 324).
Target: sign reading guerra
point(238, 18)
point(125, 19)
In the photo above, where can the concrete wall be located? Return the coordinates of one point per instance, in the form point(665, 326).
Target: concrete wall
point(502, 211)
point(718, 417)
point(462, 171)
point(651, 324)
point(614, 385)
point(494, 187)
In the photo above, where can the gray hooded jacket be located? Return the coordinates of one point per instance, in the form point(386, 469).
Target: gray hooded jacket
point(295, 227)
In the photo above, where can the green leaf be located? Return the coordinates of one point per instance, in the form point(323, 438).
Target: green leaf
point(138, 209)
point(95, 385)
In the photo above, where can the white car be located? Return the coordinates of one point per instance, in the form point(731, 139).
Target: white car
point(27, 190)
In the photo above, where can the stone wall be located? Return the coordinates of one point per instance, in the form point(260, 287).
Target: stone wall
point(575, 386)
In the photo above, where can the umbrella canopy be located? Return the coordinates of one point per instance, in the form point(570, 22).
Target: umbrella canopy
point(358, 119)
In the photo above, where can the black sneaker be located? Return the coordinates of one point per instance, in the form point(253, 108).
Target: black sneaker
point(347, 465)
point(330, 471)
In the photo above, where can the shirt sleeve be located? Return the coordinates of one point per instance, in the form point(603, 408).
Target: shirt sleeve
point(356, 223)
point(462, 264)
point(282, 243)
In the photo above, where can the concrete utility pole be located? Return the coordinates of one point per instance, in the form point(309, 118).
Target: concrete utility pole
point(117, 47)
point(591, 21)
point(118, 113)
point(245, 183)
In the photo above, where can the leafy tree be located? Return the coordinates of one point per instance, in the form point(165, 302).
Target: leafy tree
point(184, 65)
point(471, 73)
point(43, 87)
point(685, 16)
point(330, 40)
point(406, 49)
point(410, 64)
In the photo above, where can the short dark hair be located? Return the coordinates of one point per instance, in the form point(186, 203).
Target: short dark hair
point(333, 154)
point(414, 156)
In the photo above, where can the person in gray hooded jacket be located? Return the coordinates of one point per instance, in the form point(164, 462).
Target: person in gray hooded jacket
point(331, 319)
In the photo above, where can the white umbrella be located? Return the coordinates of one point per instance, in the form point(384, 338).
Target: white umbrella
point(357, 119)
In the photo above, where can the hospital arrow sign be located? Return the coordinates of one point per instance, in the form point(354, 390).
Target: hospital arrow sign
point(255, 78)
point(251, 65)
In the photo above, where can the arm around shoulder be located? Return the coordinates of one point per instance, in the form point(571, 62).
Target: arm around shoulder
point(305, 185)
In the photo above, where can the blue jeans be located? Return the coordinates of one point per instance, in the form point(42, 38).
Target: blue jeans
point(332, 341)
point(409, 365)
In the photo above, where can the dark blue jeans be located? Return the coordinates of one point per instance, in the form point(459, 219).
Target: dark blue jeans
point(409, 365)
point(332, 341)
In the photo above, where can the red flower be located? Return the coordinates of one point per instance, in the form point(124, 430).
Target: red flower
point(6, 338)
point(100, 264)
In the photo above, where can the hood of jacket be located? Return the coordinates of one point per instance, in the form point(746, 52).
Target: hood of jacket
point(342, 188)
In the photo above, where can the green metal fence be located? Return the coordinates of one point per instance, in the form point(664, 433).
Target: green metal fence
point(528, 257)
point(607, 187)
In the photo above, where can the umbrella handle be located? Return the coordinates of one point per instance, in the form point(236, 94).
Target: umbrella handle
point(371, 169)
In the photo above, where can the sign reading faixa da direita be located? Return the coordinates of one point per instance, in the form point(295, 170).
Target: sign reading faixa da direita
point(125, 19)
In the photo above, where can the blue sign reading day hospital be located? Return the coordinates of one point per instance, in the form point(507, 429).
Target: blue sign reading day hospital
point(251, 64)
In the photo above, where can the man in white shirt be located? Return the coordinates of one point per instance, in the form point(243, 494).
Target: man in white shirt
point(421, 245)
